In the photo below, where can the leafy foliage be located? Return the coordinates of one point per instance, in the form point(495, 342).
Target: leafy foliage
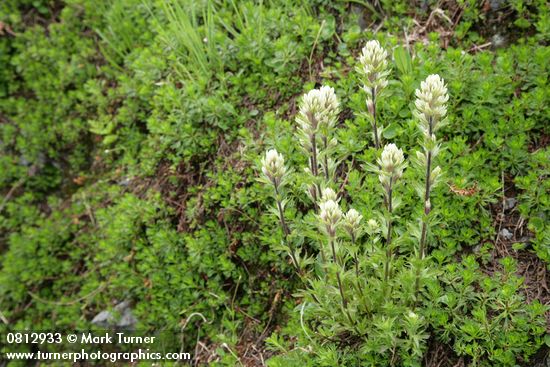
point(129, 153)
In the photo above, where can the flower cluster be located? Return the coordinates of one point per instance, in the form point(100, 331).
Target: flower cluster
point(373, 227)
point(431, 108)
point(373, 66)
point(273, 166)
point(392, 164)
point(330, 214)
point(351, 222)
point(431, 100)
point(319, 108)
point(328, 194)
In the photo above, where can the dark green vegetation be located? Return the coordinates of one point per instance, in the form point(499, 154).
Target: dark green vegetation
point(130, 137)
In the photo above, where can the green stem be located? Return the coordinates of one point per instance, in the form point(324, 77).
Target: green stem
point(340, 287)
point(375, 128)
point(325, 168)
point(389, 234)
point(427, 209)
point(359, 287)
point(314, 167)
point(284, 226)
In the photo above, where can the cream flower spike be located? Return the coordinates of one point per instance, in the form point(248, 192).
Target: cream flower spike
point(392, 164)
point(330, 214)
point(352, 220)
point(392, 158)
point(318, 106)
point(273, 166)
point(431, 102)
point(373, 57)
point(373, 65)
point(328, 194)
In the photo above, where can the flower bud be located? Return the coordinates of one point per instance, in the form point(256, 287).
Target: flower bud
point(431, 100)
point(421, 156)
point(351, 221)
point(391, 163)
point(328, 194)
point(372, 227)
point(427, 207)
point(373, 66)
point(330, 214)
point(318, 107)
point(273, 166)
point(436, 172)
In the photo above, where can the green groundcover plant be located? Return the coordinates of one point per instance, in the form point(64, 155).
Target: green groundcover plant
point(387, 228)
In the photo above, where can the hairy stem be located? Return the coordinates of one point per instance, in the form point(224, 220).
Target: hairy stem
point(340, 287)
point(389, 234)
point(427, 189)
point(357, 273)
point(314, 167)
point(427, 209)
point(284, 226)
point(325, 164)
point(374, 126)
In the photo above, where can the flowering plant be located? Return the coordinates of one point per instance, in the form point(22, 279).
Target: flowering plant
point(361, 283)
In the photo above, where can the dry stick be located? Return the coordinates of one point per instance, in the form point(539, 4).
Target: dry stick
point(10, 193)
point(313, 48)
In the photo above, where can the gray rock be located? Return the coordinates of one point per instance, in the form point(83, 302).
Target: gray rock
point(525, 239)
point(509, 203)
point(498, 41)
point(361, 21)
point(496, 4)
point(124, 182)
point(128, 320)
point(122, 306)
point(124, 317)
point(506, 234)
point(103, 319)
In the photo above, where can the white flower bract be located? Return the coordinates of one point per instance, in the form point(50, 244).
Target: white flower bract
point(328, 194)
point(392, 164)
point(273, 165)
point(431, 102)
point(318, 107)
point(392, 159)
point(373, 66)
point(330, 214)
point(352, 220)
point(373, 226)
